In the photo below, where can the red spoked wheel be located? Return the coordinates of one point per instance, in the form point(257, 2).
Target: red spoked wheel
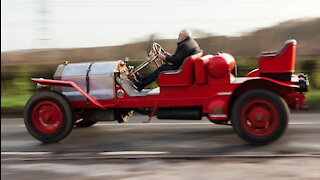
point(260, 116)
point(48, 116)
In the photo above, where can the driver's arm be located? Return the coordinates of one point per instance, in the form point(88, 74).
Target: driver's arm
point(161, 56)
point(178, 57)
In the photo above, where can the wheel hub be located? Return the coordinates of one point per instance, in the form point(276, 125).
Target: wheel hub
point(259, 117)
point(47, 117)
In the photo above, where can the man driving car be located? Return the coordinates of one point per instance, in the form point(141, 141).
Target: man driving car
point(187, 46)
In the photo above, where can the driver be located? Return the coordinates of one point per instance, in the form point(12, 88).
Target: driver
point(186, 47)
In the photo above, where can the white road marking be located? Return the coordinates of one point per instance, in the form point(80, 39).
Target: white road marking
point(168, 154)
point(209, 123)
point(263, 155)
point(133, 153)
point(303, 123)
point(25, 153)
point(208, 155)
point(12, 119)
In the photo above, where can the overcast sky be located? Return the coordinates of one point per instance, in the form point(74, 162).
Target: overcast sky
point(30, 24)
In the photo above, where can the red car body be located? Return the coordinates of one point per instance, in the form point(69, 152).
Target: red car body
point(208, 86)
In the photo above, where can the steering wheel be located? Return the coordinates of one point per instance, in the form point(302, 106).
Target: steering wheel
point(152, 56)
point(155, 51)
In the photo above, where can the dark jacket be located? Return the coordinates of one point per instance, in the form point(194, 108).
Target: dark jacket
point(185, 49)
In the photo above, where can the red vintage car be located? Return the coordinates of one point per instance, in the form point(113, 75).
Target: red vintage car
point(257, 105)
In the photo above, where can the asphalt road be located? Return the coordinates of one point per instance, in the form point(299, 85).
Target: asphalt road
point(161, 149)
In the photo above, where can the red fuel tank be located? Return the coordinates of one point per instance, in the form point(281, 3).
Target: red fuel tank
point(220, 65)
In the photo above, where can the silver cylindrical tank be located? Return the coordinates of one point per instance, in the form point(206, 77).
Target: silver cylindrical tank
point(95, 78)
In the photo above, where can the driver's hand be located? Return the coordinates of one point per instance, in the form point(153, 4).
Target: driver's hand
point(161, 56)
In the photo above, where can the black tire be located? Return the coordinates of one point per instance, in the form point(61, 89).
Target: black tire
point(48, 116)
point(85, 123)
point(260, 116)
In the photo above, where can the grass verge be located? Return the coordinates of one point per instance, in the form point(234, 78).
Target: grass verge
point(14, 102)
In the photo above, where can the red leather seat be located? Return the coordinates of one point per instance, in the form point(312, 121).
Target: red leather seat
point(184, 76)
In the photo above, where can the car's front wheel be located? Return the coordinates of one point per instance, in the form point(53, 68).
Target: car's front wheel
point(48, 116)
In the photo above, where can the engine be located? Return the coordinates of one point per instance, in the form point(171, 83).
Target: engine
point(96, 78)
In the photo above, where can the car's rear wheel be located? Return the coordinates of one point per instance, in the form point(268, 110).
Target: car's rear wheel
point(260, 116)
point(48, 116)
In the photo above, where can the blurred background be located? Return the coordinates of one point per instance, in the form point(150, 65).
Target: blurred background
point(38, 35)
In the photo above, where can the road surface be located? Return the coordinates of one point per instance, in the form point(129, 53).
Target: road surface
point(161, 149)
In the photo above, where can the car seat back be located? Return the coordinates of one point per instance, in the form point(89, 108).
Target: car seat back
point(182, 76)
point(282, 61)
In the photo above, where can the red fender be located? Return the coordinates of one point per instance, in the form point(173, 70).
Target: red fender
point(69, 84)
point(285, 90)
